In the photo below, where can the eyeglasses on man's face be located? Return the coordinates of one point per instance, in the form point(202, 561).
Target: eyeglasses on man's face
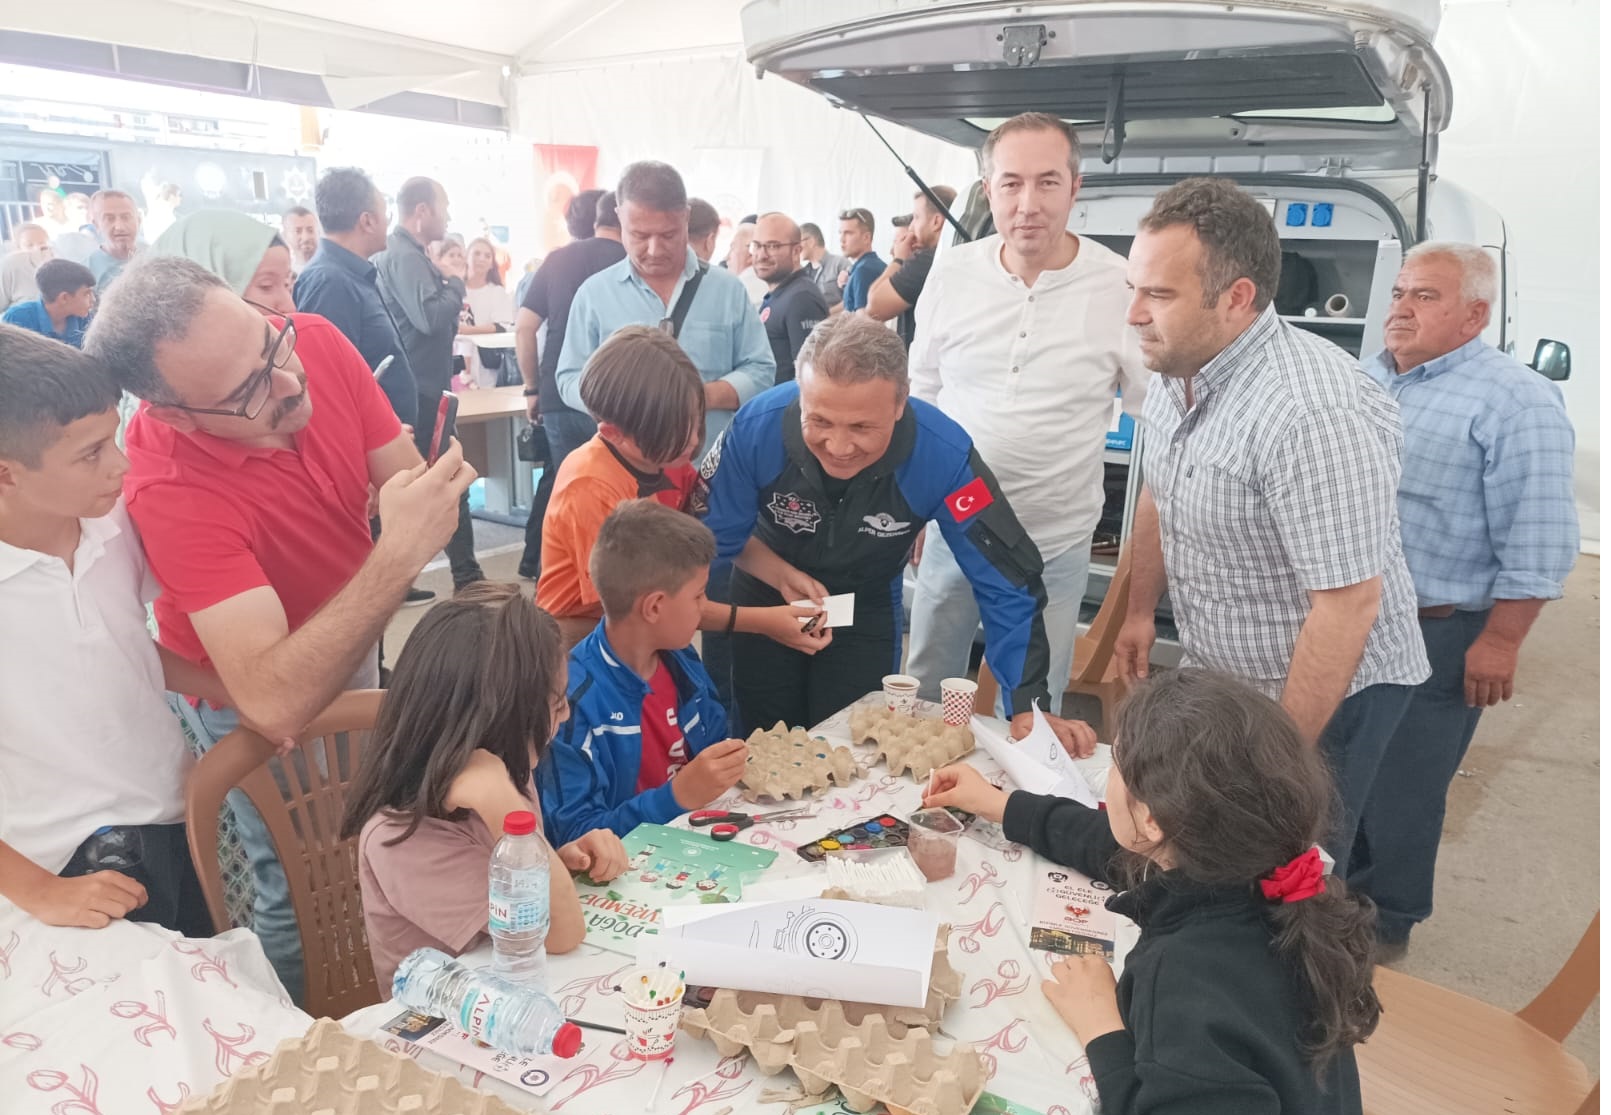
point(255, 392)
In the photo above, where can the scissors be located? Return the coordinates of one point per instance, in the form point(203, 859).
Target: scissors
point(725, 825)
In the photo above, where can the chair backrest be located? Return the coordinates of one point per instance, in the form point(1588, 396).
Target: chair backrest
point(1561, 1005)
point(1104, 630)
point(301, 797)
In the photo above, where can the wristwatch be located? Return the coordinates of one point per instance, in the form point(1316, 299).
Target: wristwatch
point(532, 392)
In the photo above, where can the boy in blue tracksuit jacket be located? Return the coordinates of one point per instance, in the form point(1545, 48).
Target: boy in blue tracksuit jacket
point(646, 739)
point(829, 480)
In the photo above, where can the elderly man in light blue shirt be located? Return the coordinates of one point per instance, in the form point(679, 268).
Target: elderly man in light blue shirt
point(719, 328)
point(1490, 532)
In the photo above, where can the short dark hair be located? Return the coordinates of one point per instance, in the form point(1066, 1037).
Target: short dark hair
point(344, 194)
point(582, 214)
point(44, 386)
point(813, 230)
point(643, 547)
point(641, 380)
point(1236, 231)
point(861, 215)
point(57, 277)
point(156, 299)
point(415, 193)
point(652, 185)
point(1031, 122)
point(946, 194)
point(607, 216)
point(702, 218)
point(300, 210)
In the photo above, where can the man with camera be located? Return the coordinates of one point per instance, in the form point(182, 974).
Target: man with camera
point(894, 294)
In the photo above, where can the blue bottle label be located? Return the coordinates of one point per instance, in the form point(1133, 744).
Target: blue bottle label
point(504, 916)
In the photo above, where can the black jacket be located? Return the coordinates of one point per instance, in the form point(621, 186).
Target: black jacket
point(1210, 1012)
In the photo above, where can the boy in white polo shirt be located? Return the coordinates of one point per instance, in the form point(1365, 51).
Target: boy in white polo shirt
point(92, 762)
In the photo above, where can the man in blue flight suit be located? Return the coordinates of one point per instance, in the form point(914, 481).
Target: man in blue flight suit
point(820, 486)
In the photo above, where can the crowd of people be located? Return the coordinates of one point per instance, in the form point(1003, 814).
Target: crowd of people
point(1353, 553)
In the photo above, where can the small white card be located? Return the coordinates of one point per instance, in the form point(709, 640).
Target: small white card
point(837, 611)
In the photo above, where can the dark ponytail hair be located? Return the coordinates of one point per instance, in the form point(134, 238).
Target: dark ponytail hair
point(477, 672)
point(1237, 793)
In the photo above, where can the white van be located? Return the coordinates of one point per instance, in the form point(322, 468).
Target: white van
point(1329, 113)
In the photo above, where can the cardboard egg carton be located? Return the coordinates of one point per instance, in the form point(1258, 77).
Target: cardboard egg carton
point(917, 744)
point(789, 762)
point(871, 1052)
point(328, 1071)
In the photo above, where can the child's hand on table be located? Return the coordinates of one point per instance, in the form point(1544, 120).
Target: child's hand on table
point(599, 853)
point(962, 786)
point(712, 773)
point(1083, 992)
point(89, 901)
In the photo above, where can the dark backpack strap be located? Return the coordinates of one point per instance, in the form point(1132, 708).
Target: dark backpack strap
point(679, 312)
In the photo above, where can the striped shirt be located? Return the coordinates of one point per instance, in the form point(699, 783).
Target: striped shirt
point(1486, 499)
point(1279, 480)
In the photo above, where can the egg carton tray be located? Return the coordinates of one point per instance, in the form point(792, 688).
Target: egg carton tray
point(789, 762)
point(914, 744)
point(328, 1071)
point(873, 1053)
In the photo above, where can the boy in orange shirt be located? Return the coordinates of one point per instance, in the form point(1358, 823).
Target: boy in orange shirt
point(649, 402)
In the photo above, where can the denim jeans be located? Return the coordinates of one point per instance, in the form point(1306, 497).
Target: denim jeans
point(945, 616)
point(567, 431)
point(1395, 854)
point(1354, 741)
point(273, 919)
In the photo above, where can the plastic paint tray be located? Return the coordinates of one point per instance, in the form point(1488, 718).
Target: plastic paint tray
point(884, 831)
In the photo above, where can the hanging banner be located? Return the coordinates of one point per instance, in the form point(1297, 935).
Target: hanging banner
point(562, 172)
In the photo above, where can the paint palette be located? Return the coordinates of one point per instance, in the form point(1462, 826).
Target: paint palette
point(884, 831)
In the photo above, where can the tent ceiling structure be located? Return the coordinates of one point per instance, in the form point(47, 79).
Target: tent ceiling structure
point(401, 57)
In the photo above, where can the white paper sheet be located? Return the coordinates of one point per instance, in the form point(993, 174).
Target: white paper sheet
point(818, 948)
point(1037, 762)
point(837, 611)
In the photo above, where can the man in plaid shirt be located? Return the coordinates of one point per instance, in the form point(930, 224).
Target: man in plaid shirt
point(1490, 533)
point(1269, 511)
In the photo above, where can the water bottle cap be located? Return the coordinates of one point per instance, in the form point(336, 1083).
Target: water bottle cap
point(520, 823)
point(567, 1040)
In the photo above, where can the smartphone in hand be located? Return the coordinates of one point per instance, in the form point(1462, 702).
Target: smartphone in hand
point(446, 411)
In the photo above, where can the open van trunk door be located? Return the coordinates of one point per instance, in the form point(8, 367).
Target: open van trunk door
point(1300, 85)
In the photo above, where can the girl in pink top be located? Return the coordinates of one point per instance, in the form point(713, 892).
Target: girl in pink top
point(459, 734)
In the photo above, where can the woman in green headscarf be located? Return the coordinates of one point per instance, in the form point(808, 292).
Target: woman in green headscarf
point(243, 251)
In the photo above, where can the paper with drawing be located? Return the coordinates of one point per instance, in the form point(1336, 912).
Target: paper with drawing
point(818, 948)
point(1037, 762)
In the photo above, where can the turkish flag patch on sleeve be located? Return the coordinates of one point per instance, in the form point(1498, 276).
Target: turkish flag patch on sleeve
point(970, 499)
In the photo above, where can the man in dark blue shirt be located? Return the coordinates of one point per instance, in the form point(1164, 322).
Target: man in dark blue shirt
point(856, 242)
point(339, 282)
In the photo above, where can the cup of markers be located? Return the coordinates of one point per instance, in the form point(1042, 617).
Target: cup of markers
point(653, 1001)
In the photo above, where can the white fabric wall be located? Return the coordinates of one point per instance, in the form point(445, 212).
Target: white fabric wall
point(702, 113)
point(1525, 138)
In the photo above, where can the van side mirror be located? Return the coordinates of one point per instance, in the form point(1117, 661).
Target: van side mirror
point(1553, 360)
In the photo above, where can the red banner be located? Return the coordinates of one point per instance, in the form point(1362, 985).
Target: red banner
point(562, 172)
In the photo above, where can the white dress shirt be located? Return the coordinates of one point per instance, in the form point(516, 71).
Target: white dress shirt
point(1030, 372)
point(86, 735)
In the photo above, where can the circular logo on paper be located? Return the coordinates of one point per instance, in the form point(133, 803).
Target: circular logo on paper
point(826, 940)
point(534, 1078)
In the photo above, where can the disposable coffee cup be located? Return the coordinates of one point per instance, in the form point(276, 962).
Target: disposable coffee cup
point(956, 700)
point(900, 693)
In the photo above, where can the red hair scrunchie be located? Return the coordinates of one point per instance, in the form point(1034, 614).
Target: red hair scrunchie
point(1303, 878)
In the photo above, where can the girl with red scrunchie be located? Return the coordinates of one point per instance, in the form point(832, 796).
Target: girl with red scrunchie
point(1251, 981)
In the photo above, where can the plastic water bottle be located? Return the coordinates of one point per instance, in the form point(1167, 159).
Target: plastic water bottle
point(517, 1020)
point(517, 903)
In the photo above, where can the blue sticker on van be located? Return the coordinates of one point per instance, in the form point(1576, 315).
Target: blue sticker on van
point(1297, 214)
point(1322, 214)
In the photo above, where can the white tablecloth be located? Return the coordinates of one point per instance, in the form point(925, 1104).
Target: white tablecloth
point(1032, 1057)
point(130, 1019)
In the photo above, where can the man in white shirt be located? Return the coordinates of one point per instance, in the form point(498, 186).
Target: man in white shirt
point(1021, 338)
point(92, 762)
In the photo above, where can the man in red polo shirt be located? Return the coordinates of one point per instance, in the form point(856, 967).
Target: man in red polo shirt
point(250, 466)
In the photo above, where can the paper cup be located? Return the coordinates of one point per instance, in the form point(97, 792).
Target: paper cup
point(653, 1010)
point(956, 700)
point(900, 693)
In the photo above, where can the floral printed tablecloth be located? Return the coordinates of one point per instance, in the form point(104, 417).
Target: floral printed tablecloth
point(1031, 1055)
